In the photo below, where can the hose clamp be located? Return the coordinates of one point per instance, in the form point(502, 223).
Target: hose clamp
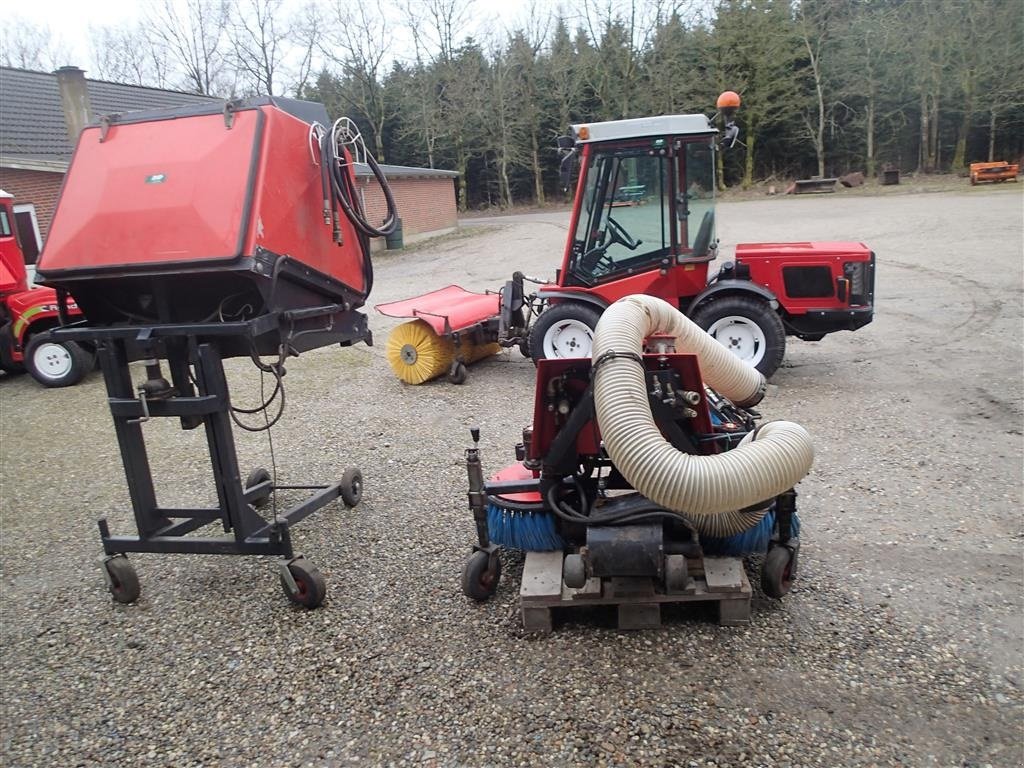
point(611, 354)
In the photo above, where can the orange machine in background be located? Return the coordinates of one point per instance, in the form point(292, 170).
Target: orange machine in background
point(999, 171)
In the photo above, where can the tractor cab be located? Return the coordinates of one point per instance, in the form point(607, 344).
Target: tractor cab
point(645, 201)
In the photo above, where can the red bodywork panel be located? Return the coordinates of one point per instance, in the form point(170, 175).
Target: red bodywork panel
point(446, 310)
point(176, 194)
point(10, 279)
point(13, 276)
point(515, 472)
point(687, 279)
point(768, 263)
point(27, 309)
point(24, 307)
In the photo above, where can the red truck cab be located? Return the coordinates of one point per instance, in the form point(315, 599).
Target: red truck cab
point(26, 313)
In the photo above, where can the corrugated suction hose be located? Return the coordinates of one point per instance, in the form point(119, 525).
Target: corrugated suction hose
point(712, 491)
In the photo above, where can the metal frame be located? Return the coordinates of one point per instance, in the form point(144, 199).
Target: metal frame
point(204, 401)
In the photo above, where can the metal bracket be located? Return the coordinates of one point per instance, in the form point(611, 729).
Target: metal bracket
point(103, 567)
point(105, 122)
point(229, 113)
point(286, 574)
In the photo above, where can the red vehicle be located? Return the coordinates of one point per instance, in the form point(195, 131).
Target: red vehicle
point(643, 222)
point(26, 312)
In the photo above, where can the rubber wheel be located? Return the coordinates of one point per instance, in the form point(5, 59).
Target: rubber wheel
point(564, 331)
point(777, 572)
point(351, 486)
point(479, 582)
point(748, 328)
point(124, 582)
point(57, 364)
point(257, 476)
point(574, 571)
point(458, 374)
point(311, 588)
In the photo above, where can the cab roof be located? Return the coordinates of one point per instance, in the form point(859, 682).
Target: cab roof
point(662, 125)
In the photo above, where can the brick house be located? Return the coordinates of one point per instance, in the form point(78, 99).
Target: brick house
point(41, 115)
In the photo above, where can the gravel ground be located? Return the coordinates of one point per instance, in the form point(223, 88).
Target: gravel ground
point(900, 645)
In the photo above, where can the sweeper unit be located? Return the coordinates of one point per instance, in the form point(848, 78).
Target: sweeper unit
point(643, 222)
point(195, 234)
point(643, 479)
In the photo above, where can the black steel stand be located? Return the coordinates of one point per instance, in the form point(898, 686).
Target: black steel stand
point(197, 399)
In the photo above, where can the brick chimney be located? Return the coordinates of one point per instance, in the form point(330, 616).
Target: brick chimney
point(74, 98)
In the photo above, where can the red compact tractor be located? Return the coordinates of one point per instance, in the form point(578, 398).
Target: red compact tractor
point(26, 312)
point(643, 222)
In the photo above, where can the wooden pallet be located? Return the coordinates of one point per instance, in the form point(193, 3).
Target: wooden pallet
point(720, 580)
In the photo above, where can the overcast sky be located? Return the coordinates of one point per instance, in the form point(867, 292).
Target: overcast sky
point(69, 20)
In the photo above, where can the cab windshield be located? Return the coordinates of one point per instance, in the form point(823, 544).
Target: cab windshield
point(628, 220)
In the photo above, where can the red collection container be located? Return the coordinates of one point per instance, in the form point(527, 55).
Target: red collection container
point(202, 213)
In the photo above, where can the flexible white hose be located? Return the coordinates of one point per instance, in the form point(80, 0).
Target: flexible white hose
point(766, 463)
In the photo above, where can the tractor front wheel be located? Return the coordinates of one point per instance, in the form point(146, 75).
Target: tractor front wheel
point(747, 327)
point(57, 364)
point(564, 331)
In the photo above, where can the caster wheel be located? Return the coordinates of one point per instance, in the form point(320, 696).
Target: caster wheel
point(778, 572)
point(677, 574)
point(309, 590)
point(351, 486)
point(458, 374)
point(122, 581)
point(257, 476)
point(574, 571)
point(479, 580)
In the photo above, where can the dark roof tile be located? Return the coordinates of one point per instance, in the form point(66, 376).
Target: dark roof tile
point(32, 118)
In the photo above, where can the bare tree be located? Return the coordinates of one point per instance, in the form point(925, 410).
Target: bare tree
point(259, 37)
point(125, 54)
point(361, 48)
point(813, 27)
point(26, 45)
point(194, 36)
point(437, 26)
point(306, 37)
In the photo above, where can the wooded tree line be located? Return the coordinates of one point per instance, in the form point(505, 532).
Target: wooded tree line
point(828, 86)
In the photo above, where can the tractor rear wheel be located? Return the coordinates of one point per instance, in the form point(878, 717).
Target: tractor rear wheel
point(564, 331)
point(747, 327)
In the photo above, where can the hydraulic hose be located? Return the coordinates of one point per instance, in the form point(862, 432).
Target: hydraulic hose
point(345, 194)
point(730, 486)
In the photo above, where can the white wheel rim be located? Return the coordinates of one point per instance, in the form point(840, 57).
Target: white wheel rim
point(568, 338)
point(741, 336)
point(52, 361)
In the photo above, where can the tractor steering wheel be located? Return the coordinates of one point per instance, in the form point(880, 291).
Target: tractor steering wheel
point(620, 235)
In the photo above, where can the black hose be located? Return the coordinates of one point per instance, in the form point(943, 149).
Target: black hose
point(345, 194)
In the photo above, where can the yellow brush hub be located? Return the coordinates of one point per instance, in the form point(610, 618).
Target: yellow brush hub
point(417, 354)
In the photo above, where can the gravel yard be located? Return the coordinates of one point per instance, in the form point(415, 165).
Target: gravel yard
point(901, 644)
